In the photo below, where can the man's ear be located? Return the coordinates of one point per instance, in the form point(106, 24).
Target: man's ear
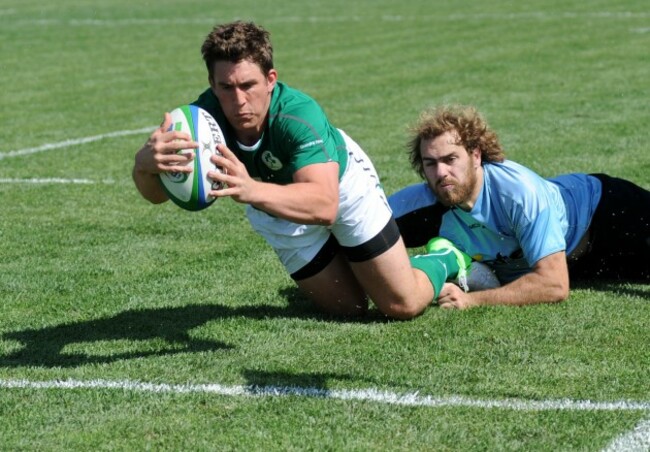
point(476, 157)
point(271, 78)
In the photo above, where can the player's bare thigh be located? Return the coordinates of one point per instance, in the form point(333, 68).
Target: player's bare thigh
point(335, 289)
point(393, 285)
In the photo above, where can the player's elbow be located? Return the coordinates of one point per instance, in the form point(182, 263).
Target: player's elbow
point(558, 292)
point(154, 197)
point(328, 220)
point(158, 200)
point(401, 311)
point(149, 187)
point(551, 276)
point(326, 216)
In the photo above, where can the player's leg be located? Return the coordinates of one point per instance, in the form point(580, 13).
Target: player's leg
point(370, 239)
point(335, 290)
point(397, 289)
point(401, 287)
point(619, 233)
point(312, 257)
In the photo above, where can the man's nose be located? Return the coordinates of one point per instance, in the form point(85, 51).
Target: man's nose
point(441, 171)
point(240, 96)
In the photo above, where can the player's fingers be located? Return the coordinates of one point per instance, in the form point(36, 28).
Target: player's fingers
point(180, 142)
point(181, 158)
point(176, 169)
point(226, 152)
point(167, 122)
point(221, 192)
point(222, 178)
point(227, 166)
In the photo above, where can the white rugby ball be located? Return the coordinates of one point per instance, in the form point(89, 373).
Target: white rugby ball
point(190, 190)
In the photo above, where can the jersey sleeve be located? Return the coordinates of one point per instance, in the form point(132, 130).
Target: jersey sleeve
point(417, 213)
point(537, 227)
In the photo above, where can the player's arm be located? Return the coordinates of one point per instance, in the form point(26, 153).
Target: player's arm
point(548, 282)
point(312, 198)
point(159, 154)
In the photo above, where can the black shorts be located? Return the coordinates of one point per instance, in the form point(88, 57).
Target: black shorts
point(377, 245)
point(619, 234)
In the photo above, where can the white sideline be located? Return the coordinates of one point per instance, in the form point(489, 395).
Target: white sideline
point(54, 180)
point(529, 15)
point(73, 142)
point(638, 440)
point(370, 395)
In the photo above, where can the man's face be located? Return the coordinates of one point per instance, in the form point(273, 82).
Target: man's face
point(451, 171)
point(244, 93)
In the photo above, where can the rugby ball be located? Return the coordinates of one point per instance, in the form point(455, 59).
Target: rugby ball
point(190, 190)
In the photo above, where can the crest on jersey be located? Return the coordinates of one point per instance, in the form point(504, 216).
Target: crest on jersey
point(271, 161)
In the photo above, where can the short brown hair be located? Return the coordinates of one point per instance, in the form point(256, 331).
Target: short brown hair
point(471, 128)
point(238, 41)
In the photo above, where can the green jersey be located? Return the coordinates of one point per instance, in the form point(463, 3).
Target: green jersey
point(297, 134)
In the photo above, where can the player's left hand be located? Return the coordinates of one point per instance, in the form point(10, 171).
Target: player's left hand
point(452, 297)
point(238, 183)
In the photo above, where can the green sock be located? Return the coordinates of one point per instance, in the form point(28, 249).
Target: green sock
point(438, 266)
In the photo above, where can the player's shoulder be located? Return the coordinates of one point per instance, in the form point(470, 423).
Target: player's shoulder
point(207, 100)
point(411, 198)
point(291, 104)
point(512, 179)
point(296, 116)
point(514, 188)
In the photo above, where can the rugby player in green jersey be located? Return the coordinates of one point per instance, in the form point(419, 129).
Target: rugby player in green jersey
point(310, 190)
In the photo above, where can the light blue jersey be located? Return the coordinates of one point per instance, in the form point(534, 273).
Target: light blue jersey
point(518, 218)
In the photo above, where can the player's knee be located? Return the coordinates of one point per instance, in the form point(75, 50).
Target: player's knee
point(401, 310)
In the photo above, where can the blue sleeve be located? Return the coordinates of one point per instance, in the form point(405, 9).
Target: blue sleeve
point(417, 214)
point(538, 228)
point(410, 199)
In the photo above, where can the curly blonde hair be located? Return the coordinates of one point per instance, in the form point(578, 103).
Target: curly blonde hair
point(466, 121)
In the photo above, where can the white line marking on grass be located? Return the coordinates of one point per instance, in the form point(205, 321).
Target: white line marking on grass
point(530, 15)
point(73, 142)
point(369, 395)
point(638, 440)
point(54, 180)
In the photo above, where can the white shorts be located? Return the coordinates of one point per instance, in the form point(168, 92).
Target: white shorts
point(363, 213)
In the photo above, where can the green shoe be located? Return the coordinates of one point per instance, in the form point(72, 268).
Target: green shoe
point(439, 245)
point(472, 275)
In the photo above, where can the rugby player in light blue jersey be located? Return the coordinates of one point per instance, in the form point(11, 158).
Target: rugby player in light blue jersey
point(531, 231)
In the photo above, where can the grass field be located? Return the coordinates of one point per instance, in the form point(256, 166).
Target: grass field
point(127, 326)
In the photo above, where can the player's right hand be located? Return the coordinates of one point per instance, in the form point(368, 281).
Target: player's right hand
point(161, 151)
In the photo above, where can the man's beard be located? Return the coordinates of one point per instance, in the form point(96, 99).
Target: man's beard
point(460, 193)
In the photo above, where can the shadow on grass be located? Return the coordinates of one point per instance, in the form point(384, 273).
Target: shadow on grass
point(45, 347)
point(299, 382)
point(632, 289)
